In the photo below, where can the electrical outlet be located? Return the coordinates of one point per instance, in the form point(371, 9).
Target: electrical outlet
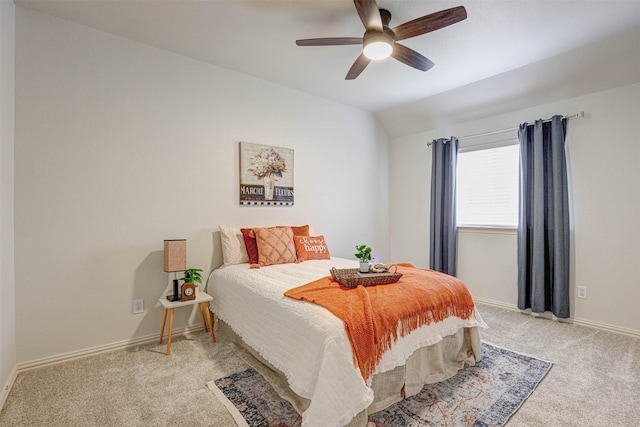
point(582, 292)
point(138, 306)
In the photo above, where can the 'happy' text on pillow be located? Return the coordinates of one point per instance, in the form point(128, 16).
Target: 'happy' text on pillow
point(314, 244)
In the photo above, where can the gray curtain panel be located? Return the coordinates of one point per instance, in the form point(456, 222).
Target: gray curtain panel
point(543, 229)
point(442, 235)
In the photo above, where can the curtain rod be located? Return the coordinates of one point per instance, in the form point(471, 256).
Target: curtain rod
point(493, 132)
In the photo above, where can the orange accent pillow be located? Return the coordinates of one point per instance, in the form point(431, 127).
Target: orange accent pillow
point(308, 247)
point(249, 238)
point(301, 230)
point(275, 245)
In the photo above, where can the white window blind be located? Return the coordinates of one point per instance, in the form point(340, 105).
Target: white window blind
point(487, 186)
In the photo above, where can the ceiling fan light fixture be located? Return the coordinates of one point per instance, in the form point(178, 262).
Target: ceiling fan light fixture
point(379, 39)
point(377, 46)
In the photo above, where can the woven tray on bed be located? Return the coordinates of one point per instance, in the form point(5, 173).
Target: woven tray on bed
point(352, 277)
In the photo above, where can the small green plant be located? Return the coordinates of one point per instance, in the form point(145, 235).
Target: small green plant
point(192, 275)
point(364, 253)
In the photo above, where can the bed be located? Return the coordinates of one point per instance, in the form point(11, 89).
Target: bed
point(309, 347)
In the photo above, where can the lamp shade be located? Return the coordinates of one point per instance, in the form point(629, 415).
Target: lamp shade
point(175, 255)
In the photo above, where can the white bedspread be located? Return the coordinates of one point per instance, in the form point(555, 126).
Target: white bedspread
point(306, 341)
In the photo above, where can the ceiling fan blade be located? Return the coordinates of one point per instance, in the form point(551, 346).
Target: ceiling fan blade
point(431, 22)
point(330, 41)
point(369, 14)
point(358, 66)
point(411, 57)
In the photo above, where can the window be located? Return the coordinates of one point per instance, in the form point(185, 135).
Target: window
point(487, 185)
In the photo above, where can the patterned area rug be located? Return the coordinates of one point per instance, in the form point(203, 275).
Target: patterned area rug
point(483, 395)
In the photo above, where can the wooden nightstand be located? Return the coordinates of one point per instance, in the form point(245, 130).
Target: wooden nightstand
point(201, 299)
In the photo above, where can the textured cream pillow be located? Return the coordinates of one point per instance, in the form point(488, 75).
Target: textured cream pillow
point(233, 248)
point(275, 245)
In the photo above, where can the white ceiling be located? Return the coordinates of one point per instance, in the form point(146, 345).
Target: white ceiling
point(480, 62)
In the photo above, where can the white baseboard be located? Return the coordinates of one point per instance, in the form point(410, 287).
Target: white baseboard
point(500, 304)
point(92, 351)
point(6, 387)
point(577, 321)
point(609, 328)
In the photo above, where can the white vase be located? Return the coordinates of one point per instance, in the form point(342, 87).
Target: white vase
point(364, 267)
point(269, 186)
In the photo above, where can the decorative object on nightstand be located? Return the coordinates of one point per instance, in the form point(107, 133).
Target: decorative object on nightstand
point(188, 290)
point(364, 255)
point(175, 259)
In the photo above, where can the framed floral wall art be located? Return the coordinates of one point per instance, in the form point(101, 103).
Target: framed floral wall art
point(266, 175)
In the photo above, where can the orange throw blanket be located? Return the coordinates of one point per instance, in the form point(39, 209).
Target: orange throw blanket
point(375, 315)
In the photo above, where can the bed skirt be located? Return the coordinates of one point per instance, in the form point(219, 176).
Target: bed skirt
point(426, 365)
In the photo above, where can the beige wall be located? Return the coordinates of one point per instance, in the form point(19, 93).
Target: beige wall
point(7, 291)
point(119, 146)
point(604, 153)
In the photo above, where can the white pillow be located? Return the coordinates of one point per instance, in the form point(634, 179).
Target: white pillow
point(233, 249)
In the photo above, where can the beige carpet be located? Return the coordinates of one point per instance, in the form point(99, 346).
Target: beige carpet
point(137, 387)
point(595, 381)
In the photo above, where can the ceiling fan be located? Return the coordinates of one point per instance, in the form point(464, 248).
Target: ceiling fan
point(380, 41)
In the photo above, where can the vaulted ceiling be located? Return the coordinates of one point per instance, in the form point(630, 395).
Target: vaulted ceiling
point(505, 55)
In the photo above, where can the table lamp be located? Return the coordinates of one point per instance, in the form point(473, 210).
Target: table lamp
point(175, 259)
